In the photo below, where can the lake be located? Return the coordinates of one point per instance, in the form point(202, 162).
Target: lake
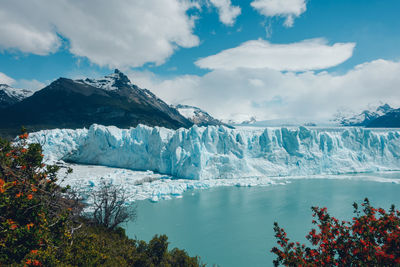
point(233, 226)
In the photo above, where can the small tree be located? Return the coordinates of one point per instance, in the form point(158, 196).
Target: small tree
point(110, 209)
point(35, 213)
point(372, 238)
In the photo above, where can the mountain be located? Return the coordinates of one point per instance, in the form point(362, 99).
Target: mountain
point(241, 119)
point(198, 116)
point(112, 100)
point(389, 120)
point(348, 118)
point(10, 95)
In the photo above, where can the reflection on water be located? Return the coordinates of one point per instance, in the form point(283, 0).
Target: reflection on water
point(232, 226)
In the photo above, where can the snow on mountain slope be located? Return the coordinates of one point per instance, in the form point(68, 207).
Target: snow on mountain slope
point(220, 153)
point(109, 82)
point(188, 112)
point(10, 95)
point(347, 117)
point(197, 116)
point(241, 119)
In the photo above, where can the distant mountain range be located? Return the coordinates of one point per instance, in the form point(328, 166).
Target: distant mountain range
point(114, 100)
point(241, 120)
point(10, 95)
point(380, 116)
point(198, 116)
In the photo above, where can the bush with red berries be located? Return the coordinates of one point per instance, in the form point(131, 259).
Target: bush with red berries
point(371, 238)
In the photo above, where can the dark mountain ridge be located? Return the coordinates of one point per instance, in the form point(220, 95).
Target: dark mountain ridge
point(364, 118)
point(389, 120)
point(112, 100)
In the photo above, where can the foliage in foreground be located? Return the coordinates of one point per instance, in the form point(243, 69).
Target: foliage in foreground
point(372, 238)
point(109, 206)
point(41, 222)
point(102, 247)
point(34, 217)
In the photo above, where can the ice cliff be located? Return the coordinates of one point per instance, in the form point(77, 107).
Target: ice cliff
point(216, 152)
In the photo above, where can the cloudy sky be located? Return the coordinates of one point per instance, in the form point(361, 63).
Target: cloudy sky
point(234, 58)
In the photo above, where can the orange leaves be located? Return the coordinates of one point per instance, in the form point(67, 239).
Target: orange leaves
point(36, 263)
point(23, 136)
point(12, 224)
point(29, 226)
point(2, 189)
point(30, 262)
point(26, 204)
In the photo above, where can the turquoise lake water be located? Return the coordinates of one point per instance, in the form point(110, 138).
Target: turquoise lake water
point(233, 226)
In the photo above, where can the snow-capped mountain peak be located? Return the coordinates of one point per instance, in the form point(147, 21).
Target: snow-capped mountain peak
point(384, 109)
point(15, 92)
point(110, 82)
point(347, 117)
point(197, 115)
point(10, 95)
point(241, 119)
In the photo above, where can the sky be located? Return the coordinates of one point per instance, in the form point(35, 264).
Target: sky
point(271, 59)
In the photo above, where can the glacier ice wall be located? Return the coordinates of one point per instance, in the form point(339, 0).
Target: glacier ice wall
point(218, 152)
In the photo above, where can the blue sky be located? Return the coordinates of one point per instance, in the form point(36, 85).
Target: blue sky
point(198, 47)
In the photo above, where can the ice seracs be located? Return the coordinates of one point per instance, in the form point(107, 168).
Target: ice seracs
point(216, 152)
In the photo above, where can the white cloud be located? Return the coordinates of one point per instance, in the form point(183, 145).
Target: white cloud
point(227, 12)
point(4, 79)
point(289, 9)
point(25, 27)
point(271, 94)
point(117, 33)
point(32, 85)
point(313, 54)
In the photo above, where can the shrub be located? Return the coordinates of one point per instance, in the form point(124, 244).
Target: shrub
point(41, 222)
point(33, 211)
point(372, 238)
point(109, 204)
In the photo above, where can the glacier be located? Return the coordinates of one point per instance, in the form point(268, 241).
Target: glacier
point(217, 152)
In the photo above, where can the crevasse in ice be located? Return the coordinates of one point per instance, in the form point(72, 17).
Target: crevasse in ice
point(216, 152)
